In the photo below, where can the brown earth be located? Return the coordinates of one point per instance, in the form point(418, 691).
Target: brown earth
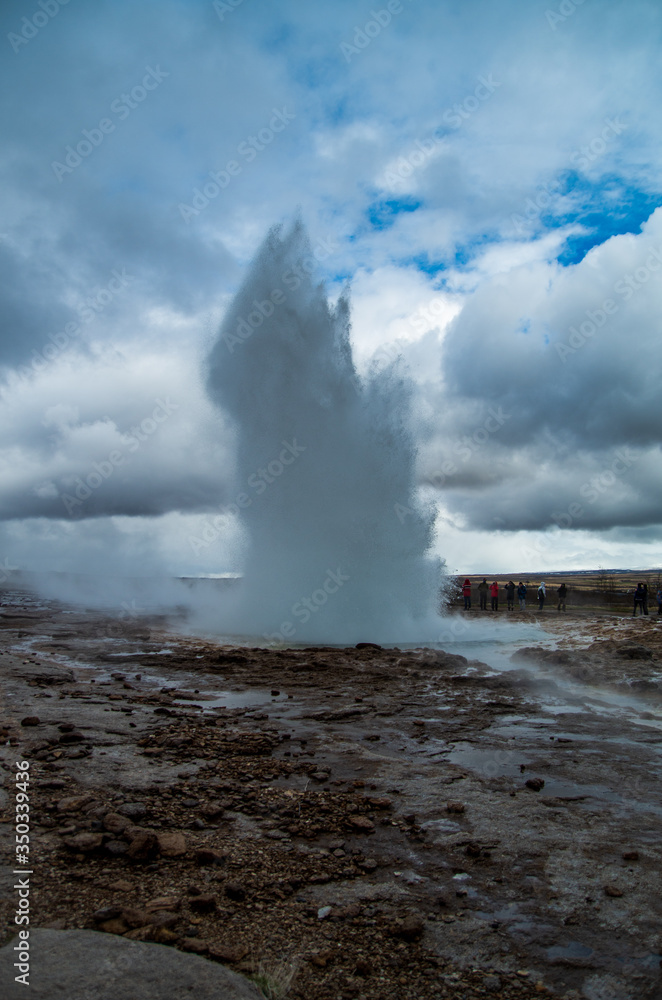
point(360, 822)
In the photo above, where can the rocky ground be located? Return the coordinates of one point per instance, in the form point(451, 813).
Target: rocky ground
point(345, 823)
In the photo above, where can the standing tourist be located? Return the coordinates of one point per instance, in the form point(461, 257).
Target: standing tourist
point(466, 594)
point(521, 596)
point(638, 600)
point(562, 591)
point(541, 596)
point(482, 593)
point(510, 595)
point(494, 592)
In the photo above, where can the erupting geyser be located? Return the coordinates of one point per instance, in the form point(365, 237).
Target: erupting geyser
point(336, 536)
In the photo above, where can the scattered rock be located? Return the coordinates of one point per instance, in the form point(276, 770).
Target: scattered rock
point(30, 720)
point(455, 807)
point(227, 952)
point(115, 823)
point(208, 856)
point(195, 945)
point(134, 810)
point(84, 842)
point(72, 737)
point(143, 847)
point(535, 784)
point(203, 904)
point(171, 845)
point(73, 803)
point(235, 892)
point(612, 890)
point(630, 855)
point(361, 824)
point(409, 929)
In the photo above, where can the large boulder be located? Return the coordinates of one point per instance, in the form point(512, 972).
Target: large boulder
point(87, 965)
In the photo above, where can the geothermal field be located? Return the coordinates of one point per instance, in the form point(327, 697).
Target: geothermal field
point(358, 821)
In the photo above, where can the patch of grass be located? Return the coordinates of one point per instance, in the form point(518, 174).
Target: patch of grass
point(274, 980)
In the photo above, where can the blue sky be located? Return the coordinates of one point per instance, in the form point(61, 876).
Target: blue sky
point(486, 175)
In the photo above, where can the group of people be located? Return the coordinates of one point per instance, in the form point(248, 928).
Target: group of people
point(641, 600)
point(521, 590)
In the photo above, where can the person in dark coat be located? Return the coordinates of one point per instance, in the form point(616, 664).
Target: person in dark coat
point(482, 594)
point(562, 591)
point(638, 600)
point(510, 595)
point(521, 595)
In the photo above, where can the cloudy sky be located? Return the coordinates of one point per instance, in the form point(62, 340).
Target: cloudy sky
point(485, 175)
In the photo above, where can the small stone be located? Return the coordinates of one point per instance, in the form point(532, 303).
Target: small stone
point(363, 968)
point(612, 890)
point(362, 824)
point(163, 903)
point(380, 802)
point(227, 952)
point(30, 720)
point(203, 904)
point(72, 737)
point(73, 803)
point(116, 848)
point(630, 855)
point(473, 850)
point(121, 886)
point(84, 842)
point(208, 856)
point(134, 810)
point(455, 807)
point(275, 692)
point(171, 845)
point(195, 945)
point(235, 891)
point(214, 810)
point(535, 784)
point(491, 983)
point(144, 846)
point(323, 912)
point(369, 865)
point(409, 929)
point(115, 823)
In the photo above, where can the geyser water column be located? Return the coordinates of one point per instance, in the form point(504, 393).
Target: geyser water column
point(337, 538)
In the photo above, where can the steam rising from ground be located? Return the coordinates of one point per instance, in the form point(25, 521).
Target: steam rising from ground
point(336, 537)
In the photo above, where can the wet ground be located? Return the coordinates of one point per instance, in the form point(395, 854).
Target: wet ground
point(410, 824)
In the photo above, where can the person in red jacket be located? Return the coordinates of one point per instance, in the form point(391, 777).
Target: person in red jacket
point(494, 592)
point(466, 593)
